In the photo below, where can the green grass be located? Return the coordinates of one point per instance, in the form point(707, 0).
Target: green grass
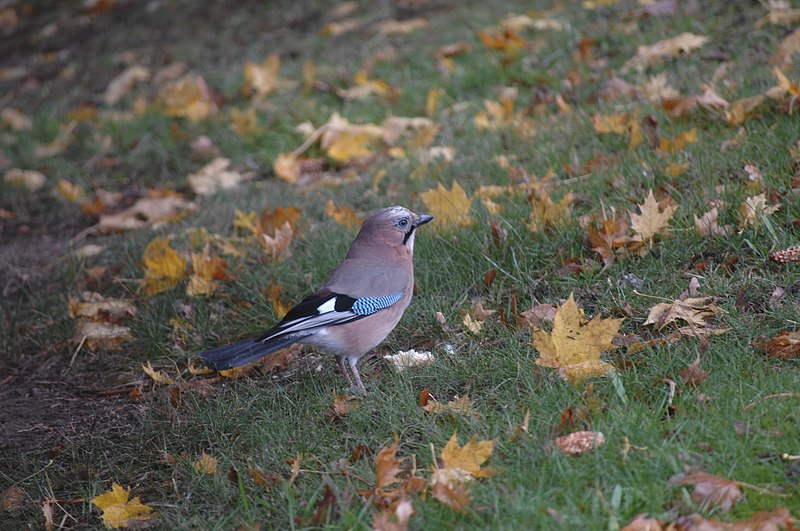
point(266, 420)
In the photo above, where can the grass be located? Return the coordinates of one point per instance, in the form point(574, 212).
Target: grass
point(87, 440)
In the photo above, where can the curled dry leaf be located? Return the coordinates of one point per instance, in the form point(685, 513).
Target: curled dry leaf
point(754, 208)
point(99, 320)
point(119, 511)
point(644, 523)
point(187, 97)
point(409, 358)
point(277, 247)
point(579, 442)
point(706, 225)
point(119, 87)
point(455, 495)
point(574, 345)
point(546, 212)
point(394, 519)
point(158, 377)
point(345, 404)
point(456, 407)
point(785, 345)
point(342, 215)
point(693, 375)
point(261, 80)
point(710, 490)
point(647, 55)
point(695, 311)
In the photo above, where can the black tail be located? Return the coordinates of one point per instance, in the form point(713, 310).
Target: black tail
point(238, 354)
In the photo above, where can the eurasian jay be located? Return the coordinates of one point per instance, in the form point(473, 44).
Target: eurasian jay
point(354, 311)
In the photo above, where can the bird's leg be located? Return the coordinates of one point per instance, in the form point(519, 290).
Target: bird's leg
point(340, 361)
point(352, 362)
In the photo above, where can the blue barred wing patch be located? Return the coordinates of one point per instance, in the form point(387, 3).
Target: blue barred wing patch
point(369, 305)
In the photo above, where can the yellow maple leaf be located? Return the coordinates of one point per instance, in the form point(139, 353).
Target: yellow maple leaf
point(666, 145)
point(245, 221)
point(205, 464)
point(342, 215)
point(163, 267)
point(466, 460)
point(611, 123)
point(188, 97)
point(344, 141)
point(245, 123)
point(546, 212)
point(71, 192)
point(118, 510)
point(277, 247)
point(364, 87)
point(647, 55)
point(754, 209)
point(449, 207)
point(202, 282)
point(743, 109)
point(652, 219)
point(575, 344)
point(496, 114)
point(287, 167)
point(157, 376)
point(261, 79)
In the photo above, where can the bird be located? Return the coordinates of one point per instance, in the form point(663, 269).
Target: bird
point(355, 309)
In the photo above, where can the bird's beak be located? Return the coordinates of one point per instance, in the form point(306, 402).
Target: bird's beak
point(422, 219)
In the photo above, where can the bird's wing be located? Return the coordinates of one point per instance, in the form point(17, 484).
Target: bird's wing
point(325, 308)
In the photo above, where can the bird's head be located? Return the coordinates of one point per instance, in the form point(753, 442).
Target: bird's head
point(393, 226)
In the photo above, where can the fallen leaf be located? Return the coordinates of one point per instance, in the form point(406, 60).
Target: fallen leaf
point(505, 40)
point(401, 27)
point(117, 510)
point(287, 167)
point(364, 88)
point(59, 144)
point(537, 316)
point(207, 270)
point(643, 523)
point(754, 208)
point(466, 460)
point(409, 358)
point(647, 55)
point(396, 519)
point(205, 464)
point(163, 267)
point(15, 119)
point(710, 490)
point(706, 225)
point(344, 141)
point(345, 404)
point(387, 466)
point(456, 496)
point(13, 499)
point(30, 180)
point(245, 123)
point(342, 215)
point(214, 176)
point(261, 80)
point(71, 192)
point(579, 442)
point(122, 84)
point(693, 375)
point(277, 247)
point(147, 211)
point(449, 207)
point(158, 377)
point(547, 213)
point(785, 345)
point(574, 345)
point(652, 220)
point(99, 320)
point(458, 407)
point(743, 109)
point(695, 311)
point(667, 146)
point(187, 97)
point(609, 238)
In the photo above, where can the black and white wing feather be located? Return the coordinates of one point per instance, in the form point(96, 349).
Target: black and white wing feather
point(321, 309)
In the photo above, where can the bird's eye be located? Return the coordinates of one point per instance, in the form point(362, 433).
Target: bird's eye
point(402, 223)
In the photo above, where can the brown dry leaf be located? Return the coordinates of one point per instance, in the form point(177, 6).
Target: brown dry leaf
point(787, 48)
point(456, 496)
point(547, 213)
point(680, 106)
point(158, 377)
point(456, 407)
point(609, 238)
point(277, 247)
point(467, 460)
point(344, 404)
point(270, 221)
point(693, 375)
point(60, 143)
point(396, 126)
point(205, 464)
point(647, 55)
point(743, 109)
point(710, 490)
point(695, 311)
point(15, 119)
point(364, 87)
point(657, 88)
point(264, 479)
point(611, 123)
point(163, 267)
point(574, 345)
point(580, 442)
point(785, 345)
point(124, 82)
point(100, 320)
point(342, 215)
point(652, 220)
point(13, 499)
point(495, 115)
point(71, 192)
point(287, 167)
point(274, 292)
point(261, 80)
point(30, 180)
point(214, 176)
point(118, 510)
point(394, 519)
point(449, 207)
point(706, 225)
point(668, 146)
point(146, 212)
point(537, 316)
point(753, 209)
point(189, 98)
point(506, 40)
point(387, 466)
